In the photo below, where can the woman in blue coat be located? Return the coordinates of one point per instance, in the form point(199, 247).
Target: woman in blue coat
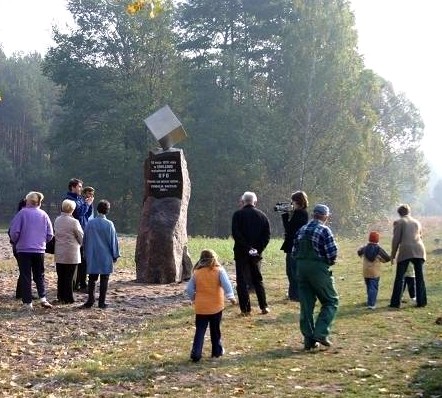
point(101, 252)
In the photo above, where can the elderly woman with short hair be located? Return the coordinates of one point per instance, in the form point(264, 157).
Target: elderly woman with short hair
point(30, 230)
point(69, 238)
point(407, 246)
point(101, 252)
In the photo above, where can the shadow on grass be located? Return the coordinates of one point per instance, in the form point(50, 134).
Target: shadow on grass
point(429, 380)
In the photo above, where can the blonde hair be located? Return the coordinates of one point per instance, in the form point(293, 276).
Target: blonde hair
point(34, 198)
point(208, 258)
point(68, 206)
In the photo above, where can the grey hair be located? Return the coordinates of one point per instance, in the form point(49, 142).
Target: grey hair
point(249, 197)
point(68, 206)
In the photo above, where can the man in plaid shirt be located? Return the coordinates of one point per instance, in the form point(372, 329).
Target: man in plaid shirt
point(315, 251)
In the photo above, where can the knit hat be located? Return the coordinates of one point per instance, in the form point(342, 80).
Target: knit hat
point(373, 237)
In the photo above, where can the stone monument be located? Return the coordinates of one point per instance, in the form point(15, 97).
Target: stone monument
point(161, 254)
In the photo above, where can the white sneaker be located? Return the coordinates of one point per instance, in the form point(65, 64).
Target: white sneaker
point(413, 299)
point(371, 307)
point(45, 303)
point(27, 307)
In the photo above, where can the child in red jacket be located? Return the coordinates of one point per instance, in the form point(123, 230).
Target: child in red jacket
point(372, 256)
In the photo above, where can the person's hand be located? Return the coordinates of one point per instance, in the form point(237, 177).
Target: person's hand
point(233, 301)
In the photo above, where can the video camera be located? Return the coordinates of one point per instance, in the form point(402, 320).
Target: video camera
point(283, 207)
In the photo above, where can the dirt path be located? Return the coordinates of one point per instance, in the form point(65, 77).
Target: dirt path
point(47, 340)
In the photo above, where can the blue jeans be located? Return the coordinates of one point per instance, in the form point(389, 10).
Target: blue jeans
point(372, 285)
point(201, 323)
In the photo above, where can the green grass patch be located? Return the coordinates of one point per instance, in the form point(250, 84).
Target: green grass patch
point(380, 353)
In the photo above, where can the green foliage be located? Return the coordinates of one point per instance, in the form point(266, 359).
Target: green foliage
point(27, 110)
point(115, 70)
point(274, 96)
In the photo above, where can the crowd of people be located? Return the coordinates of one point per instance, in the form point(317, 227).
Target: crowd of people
point(311, 251)
point(84, 244)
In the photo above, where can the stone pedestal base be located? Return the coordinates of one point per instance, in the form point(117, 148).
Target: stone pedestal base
point(161, 253)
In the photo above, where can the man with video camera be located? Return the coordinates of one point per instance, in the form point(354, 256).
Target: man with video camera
point(293, 217)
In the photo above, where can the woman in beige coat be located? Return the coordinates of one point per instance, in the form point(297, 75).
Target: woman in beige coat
point(407, 246)
point(68, 238)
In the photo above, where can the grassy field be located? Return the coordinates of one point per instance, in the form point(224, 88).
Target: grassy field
point(380, 353)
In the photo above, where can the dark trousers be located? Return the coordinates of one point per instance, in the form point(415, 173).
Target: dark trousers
point(398, 287)
point(18, 287)
point(372, 285)
point(291, 271)
point(80, 278)
point(410, 283)
point(31, 266)
point(245, 264)
point(65, 274)
point(104, 281)
point(201, 323)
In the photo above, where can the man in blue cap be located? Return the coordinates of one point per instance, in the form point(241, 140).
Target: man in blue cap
point(315, 251)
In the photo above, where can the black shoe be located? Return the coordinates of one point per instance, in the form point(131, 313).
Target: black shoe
point(223, 351)
point(103, 306)
point(245, 313)
point(311, 346)
point(194, 359)
point(324, 341)
point(87, 304)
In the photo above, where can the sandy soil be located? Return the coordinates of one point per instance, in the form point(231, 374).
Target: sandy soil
point(52, 338)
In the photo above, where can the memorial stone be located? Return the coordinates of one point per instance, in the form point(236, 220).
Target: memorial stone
point(161, 253)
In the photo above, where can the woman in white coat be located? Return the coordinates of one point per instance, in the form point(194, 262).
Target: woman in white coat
point(68, 240)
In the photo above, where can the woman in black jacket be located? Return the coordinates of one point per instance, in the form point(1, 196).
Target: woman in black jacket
point(292, 222)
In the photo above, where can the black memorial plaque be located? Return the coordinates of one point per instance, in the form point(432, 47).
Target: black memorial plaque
point(165, 177)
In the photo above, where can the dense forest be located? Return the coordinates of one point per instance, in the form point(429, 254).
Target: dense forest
point(273, 95)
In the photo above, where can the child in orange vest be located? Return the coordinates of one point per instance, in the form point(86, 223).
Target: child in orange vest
point(206, 289)
point(373, 255)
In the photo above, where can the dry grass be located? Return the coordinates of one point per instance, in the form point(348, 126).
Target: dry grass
point(381, 353)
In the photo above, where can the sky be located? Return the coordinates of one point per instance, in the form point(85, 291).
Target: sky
point(399, 40)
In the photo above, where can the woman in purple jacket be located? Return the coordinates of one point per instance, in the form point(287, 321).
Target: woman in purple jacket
point(30, 229)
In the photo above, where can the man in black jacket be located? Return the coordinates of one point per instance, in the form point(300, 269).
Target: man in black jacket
point(251, 233)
